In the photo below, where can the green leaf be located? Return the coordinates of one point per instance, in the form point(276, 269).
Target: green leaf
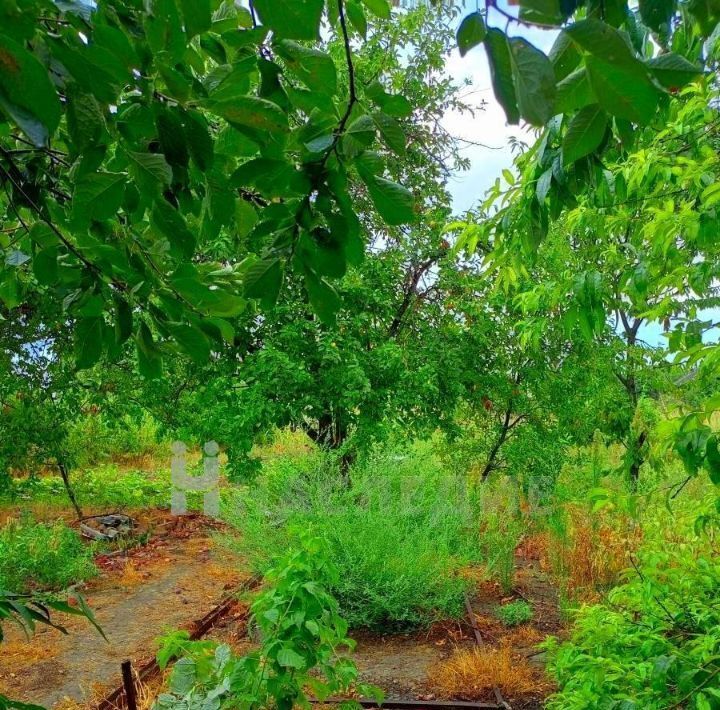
point(262, 280)
point(574, 92)
point(254, 113)
point(391, 132)
point(602, 41)
point(672, 70)
point(45, 266)
point(151, 170)
point(323, 297)
point(191, 340)
point(656, 14)
point(584, 134)
point(123, 320)
point(394, 202)
point(624, 92)
point(712, 459)
point(98, 196)
point(168, 221)
point(471, 33)
point(564, 56)
point(501, 73)
point(172, 137)
point(542, 12)
point(357, 17)
point(197, 16)
point(379, 8)
point(290, 659)
point(149, 355)
point(88, 341)
point(26, 92)
point(200, 144)
point(534, 82)
point(314, 68)
point(299, 19)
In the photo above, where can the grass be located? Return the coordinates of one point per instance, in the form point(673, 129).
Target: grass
point(472, 674)
point(515, 613)
point(400, 534)
point(38, 556)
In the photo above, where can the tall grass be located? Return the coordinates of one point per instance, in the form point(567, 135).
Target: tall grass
point(399, 533)
point(36, 556)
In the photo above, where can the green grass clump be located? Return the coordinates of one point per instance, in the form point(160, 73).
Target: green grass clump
point(515, 613)
point(399, 533)
point(36, 556)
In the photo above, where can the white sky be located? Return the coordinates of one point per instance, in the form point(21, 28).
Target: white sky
point(488, 126)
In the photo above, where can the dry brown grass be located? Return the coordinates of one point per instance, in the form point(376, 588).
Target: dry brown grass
point(592, 555)
point(472, 674)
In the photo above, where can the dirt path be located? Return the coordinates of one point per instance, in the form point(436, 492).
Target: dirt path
point(174, 583)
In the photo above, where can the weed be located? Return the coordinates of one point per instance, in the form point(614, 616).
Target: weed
point(471, 675)
point(515, 613)
point(36, 556)
point(398, 534)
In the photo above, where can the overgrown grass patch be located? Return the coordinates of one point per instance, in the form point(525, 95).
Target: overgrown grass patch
point(399, 533)
point(38, 556)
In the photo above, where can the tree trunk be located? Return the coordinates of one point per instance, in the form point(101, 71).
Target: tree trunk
point(635, 452)
point(68, 488)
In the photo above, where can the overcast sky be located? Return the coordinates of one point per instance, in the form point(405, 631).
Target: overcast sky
point(487, 126)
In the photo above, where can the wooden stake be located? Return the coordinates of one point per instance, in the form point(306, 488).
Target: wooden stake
point(129, 685)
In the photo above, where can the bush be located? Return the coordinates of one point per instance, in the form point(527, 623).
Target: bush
point(95, 438)
point(36, 556)
point(515, 613)
point(654, 644)
point(398, 535)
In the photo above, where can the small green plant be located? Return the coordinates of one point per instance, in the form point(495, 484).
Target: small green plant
point(302, 639)
point(515, 613)
point(37, 556)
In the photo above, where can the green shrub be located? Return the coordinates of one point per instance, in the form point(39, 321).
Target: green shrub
point(515, 613)
point(398, 535)
point(97, 438)
point(101, 489)
point(654, 644)
point(36, 556)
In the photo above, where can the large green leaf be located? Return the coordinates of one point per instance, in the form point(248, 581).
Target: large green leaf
point(672, 70)
point(149, 355)
point(501, 73)
point(299, 19)
point(191, 340)
point(471, 32)
point(624, 91)
point(323, 297)
point(534, 81)
point(252, 112)
point(197, 16)
point(262, 280)
point(394, 202)
point(151, 170)
point(88, 341)
point(313, 67)
point(26, 92)
point(574, 92)
point(584, 133)
point(379, 8)
point(98, 196)
point(169, 222)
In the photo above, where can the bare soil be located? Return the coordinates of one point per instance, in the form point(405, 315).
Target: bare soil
point(175, 579)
